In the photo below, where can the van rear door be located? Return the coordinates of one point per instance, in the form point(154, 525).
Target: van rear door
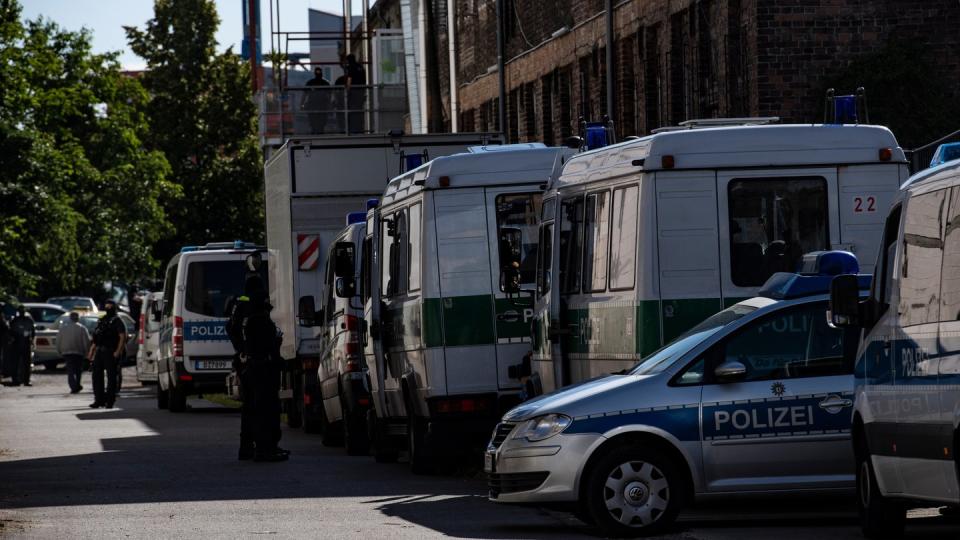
point(866, 193)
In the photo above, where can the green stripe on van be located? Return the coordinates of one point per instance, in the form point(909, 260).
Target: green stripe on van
point(466, 320)
point(680, 315)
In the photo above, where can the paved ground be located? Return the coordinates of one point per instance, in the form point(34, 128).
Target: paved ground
point(133, 472)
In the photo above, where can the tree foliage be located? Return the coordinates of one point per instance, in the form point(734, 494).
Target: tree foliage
point(81, 198)
point(204, 122)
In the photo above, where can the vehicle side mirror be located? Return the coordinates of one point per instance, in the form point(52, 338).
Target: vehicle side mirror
point(844, 310)
point(307, 311)
point(730, 371)
point(344, 259)
point(346, 287)
point(509, 248)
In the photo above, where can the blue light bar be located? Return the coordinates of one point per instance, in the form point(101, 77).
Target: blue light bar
point(372, 203)
point(829, 263)
point(596, 135)
point(817, 270)
point(845, 109)
point(945, 152)
point(356, 217)
point(413, 161)
point(186, 249)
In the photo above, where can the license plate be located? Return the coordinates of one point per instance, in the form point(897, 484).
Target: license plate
point(489, 465)
point(213, 364)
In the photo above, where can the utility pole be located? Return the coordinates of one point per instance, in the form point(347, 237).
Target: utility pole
point(502, 105)
point(254, 75)
point(611, 79)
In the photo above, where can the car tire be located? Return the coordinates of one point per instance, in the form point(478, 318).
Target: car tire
point(163, 398)
point(355, 438)
point(383, 451)
point(420, 462)
point(177, 400)
point(880, 517)
point(634, 492)
point(49, 366)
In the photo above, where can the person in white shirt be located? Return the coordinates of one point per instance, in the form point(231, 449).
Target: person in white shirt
point(73, 342)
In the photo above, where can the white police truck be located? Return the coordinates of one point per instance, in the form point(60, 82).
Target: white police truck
point(195, 354)
point(642, 240)
point(907, 383)
point(755, 399)
point(447, 242)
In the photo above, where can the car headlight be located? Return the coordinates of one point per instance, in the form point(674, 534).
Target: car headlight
point(543, 427)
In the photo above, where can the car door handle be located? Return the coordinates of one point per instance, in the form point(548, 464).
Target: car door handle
point(833, 403)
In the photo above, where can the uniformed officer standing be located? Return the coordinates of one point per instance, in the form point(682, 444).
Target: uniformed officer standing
point(109, 340)
point(261, 345)
point(237, 310)
point(23, 331)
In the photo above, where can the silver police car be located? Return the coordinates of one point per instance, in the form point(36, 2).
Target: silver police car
point(756, 399)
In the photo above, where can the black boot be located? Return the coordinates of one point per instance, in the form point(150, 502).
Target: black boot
point(271, 456)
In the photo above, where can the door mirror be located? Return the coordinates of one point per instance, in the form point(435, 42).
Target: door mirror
point(844, 310)
point(730, 371)
point(510, 249)
point(307, 311)
point(346, 287)
point(344, 259)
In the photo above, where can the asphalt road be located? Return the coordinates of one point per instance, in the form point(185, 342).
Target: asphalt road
point(136, 472)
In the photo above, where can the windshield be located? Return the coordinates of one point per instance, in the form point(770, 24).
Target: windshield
point(44, 314)
point(666, 355)
point(211, 283)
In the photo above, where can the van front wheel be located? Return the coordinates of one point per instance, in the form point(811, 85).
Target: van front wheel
point(177, 399)
point(880, 517)
point(632, 492)
point(163, 397)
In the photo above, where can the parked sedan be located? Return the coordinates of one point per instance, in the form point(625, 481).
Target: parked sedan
point(74, 303)
point(45, 341)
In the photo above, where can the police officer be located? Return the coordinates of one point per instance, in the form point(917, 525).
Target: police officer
point(23, 331)
point(261, 346)
point(237, 309)
point(109, 340)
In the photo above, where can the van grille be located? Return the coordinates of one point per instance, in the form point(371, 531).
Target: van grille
point(500, 434)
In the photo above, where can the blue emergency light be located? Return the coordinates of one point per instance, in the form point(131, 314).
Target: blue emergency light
point(372, 203)
point(413, 161)
point(945, 152)
point(817, 270)
point(596, 135)
point(187, 249)
point(356, 217)
point(845, 109)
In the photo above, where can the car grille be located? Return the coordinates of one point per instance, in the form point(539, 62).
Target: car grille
point(500, 434)
point(516, 482)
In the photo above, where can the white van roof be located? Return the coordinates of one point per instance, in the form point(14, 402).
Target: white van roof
point(947, 173)
point(508, 164)
point(738, 146)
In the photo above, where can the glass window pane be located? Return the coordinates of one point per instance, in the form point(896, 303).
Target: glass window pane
point(168, 287)
point(520, 211)
point(922, 253)
point(211, 283)
point(546, 259)
point(415, 247)
point(950, 289)
point(623, 234)
point(793, 344)
point(571, 244)
point(773, 222)
point(596, 242)
point(386, 258)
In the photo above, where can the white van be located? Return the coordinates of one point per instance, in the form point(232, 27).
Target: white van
point(442, 331)
point(642, 240)
point(149, 338)
point(907, 396)
point(195, 354)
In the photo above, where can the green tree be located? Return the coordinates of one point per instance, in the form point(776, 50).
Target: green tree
point(205, 123)
point(81, 199)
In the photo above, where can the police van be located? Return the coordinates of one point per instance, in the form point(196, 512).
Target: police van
point(439, 254)
point(908, 365)
point(195, 355)
point(342, 373)
point(642, 240)
point(755, 399)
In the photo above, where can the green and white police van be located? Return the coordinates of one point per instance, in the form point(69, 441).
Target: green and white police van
point(907, 379)
point(754, 400)
point(642, 240)
point(440, 332)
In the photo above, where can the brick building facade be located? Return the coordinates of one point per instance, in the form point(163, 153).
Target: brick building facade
point(674, 59)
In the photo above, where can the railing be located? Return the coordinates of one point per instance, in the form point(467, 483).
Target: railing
point(319, 110)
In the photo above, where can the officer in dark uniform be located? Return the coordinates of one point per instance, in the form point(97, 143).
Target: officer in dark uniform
point(109, 341)
point(261, 346)
point(23, 331)
point(237, 309)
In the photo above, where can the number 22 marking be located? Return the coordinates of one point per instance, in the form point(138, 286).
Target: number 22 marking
point(858, 205)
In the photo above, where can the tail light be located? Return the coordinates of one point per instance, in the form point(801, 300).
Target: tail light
point(178, 339)
point(143, 319)
point(461, 405)
point(352, 342)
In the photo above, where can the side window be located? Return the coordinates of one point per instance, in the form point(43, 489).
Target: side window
point(170, 283)
point(882, 285)
point(386, 255)
point(596, 242)
point(519, 211)
point(414, 247)
point(791, 344)
point(571, 244)
point(950, 287)
point(773, 222)
point(623, 238)
point(921, 256)
point(329, 303)
point(365, 268)
point(545, 255)
point(395, 254)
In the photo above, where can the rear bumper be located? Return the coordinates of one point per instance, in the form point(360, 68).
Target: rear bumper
point(213, 382)
point(356, 393)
